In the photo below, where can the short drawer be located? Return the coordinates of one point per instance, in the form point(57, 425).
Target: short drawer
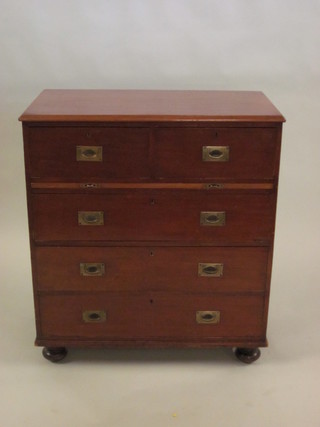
point(151, 315)
point(154, 216)
point(87, 153)
point(215, 153)
point(188, 269)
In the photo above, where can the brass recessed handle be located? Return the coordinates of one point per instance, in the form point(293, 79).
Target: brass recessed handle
point(89, 153)
point(213, 218)
point(210, 269)
point(215, 153)
point(90, 217)
point(94, 316)
point(208, 317)
point(92, 269)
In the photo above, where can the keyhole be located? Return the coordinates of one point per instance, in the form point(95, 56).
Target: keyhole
point(151, 253)
point(152, 202)
point(151, 301)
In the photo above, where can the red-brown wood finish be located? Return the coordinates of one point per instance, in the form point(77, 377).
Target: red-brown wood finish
point(151, 315)
point(150, 105)
point(151, 268)
point(153, 216)
point(151, 154)
point(52, 152)
point(151, 185)
point(252, 155)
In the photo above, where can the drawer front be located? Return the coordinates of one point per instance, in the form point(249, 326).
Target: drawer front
point(151, 315)
point(214, 154)
point(88, 153)
point(153, 216)
point(200, 269)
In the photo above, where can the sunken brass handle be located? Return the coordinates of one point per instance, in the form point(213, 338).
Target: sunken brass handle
point(208, 317)
point(90, 218)
point(210, 269)
point(94, 316)
point(215, 153)
point(89, 153)
point(211, 218)
point(92, 269)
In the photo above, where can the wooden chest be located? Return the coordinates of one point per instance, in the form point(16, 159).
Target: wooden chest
point(152, 217)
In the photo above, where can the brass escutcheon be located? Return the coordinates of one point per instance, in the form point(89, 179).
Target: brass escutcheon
point(89, 185)
point(213, 186)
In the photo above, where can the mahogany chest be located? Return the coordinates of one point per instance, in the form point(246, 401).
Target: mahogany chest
point(152, 217)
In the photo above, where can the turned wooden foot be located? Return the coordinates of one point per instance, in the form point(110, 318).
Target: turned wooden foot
point(247, 355)
point(54, 354)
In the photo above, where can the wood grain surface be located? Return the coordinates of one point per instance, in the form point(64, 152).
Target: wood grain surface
point(154, 105)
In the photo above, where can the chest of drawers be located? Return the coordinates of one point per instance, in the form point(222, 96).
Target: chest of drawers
point(151, 217)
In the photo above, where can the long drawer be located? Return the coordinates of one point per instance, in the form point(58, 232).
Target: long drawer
point(151, 315)
point(185, 269)
point(154, 216)
point(139, 154)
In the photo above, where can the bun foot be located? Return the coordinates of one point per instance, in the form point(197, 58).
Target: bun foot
point(248, 355)
point(54, 354)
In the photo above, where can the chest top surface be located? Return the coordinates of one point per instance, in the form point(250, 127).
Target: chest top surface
point(150, 105)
